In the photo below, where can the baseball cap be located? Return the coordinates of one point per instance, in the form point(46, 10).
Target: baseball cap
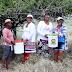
point(60, 18)
point(29, 15)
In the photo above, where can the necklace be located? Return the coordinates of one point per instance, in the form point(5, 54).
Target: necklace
point(59, 29)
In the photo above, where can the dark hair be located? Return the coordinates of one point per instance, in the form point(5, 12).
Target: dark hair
point(61, 19)
point(6, 23)
point(46, 14)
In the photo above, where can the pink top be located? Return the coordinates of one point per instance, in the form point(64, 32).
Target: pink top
point(7, 36)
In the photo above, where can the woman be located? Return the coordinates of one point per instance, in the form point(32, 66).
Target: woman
point(7, 44)
point(28, 37)
point(44, 28)
point(61, 30)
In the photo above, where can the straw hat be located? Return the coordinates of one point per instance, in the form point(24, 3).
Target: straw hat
point(8, 20)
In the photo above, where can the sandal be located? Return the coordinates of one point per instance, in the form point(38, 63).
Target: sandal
point(10, 68)
point(4, 68)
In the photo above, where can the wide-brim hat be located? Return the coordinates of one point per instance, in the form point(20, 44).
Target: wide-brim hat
point(59, 18)
point(8, 20)
point(29, 15)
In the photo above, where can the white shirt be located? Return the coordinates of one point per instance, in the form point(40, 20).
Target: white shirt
point(43, 29)
point(29, 32)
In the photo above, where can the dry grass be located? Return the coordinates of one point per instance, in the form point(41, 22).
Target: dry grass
point(38, 63)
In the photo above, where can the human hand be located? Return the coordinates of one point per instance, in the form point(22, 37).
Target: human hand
point(22, 39)
point(13, 42)
point(46, 35)
point(25, 41)
point(58, 35)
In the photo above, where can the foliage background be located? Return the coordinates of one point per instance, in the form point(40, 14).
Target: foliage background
point(27, 6)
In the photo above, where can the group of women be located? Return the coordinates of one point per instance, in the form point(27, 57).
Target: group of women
point(28, 37)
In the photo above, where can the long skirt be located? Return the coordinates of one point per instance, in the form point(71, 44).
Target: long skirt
point(42, 47)
point(30, 47)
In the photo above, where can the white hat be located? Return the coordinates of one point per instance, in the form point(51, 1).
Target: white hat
point(8, 20)
point(59, 18)
point(29, 15)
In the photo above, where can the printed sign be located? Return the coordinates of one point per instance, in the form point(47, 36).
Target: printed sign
point(53, 41)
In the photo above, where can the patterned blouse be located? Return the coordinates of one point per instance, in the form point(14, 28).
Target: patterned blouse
point(62, 31)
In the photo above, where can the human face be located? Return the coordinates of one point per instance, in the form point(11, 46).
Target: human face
point(29, 19)
point(60, 22)
point(46, 17)
point(8, 24)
